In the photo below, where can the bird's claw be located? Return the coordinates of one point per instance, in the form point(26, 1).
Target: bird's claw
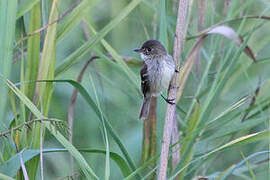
point(170, 101)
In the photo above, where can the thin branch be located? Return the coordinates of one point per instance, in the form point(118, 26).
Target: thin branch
point(127, 59)
point(226, 6)
point(172, 92)
point(25, 174)
point(149, 136)
point(28, 123)
point(41, 152)
point(252, 102)
point(204, 32)
point(87, 37)
point(72, 105)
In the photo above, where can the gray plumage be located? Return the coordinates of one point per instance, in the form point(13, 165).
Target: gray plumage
point(156, 72)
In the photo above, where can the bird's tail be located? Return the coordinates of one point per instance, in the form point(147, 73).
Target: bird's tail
point(145, 108)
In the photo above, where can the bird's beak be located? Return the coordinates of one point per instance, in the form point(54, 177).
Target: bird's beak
point(139, 50)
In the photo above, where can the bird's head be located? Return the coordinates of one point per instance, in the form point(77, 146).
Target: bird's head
point(151, 48)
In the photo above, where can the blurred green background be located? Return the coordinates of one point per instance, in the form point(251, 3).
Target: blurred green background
point(119, 98)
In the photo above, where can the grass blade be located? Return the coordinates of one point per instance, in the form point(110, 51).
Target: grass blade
point(239, 141)
point(74, 18)
point(123, 65)
point(33, 52)
point(7, 34)
point(107, 161)
point(13, 164)
point(4, 177)
point(81, 51)
point(94, 107)
point(81, 161)
point(25, 7)
point(163, 34)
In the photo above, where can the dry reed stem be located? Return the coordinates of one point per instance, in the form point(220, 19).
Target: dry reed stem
point(172, 92)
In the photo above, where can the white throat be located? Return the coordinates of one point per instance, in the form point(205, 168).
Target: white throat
point(144, 57)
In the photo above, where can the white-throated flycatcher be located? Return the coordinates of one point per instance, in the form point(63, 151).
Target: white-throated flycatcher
point(156, 72)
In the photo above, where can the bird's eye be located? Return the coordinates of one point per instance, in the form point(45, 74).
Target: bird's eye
point(149, 49)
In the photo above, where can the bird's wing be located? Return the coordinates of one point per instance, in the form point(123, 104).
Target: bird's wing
point(144, 79)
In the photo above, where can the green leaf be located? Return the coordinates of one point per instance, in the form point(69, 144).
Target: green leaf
point(163, 34)
point(186, 150)
point(74, 18)
point(11, 167)
point(4, 177)
point(47, 62)
point(94, 107)
point(25, 7)
point(84, 49)
point(75, 153)
point(33, 52)
point(44, 90)
point(107, 159)
point(7, 35)
point(236, 127)
point(239, 141)
point(117, 58)
point(228, 173)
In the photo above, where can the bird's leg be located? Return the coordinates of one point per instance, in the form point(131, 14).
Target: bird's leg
point(169, 101)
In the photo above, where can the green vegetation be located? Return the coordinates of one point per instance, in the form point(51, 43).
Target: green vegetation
point(70, 90)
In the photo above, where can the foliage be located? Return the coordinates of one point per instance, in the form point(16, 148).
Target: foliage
point(222, 107)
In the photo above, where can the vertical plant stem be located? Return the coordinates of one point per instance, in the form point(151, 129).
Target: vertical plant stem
point(31, 72)
point(172, 92)
point(25, 175)
point(7, 34)
point(226, 7)
point(41, 152)
point(149, 135)
point(201, 15)
point(44, 91)
point(153, 116)
point(33, 52)
point(87, 37)
point(175, 139)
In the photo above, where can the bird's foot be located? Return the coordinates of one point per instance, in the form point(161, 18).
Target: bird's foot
point(169, 101)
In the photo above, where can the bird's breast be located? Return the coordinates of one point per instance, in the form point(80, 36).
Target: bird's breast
point(160, 74)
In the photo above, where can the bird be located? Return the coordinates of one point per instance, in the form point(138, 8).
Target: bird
point(156, 73)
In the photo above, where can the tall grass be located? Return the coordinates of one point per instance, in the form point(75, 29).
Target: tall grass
point(222, 106)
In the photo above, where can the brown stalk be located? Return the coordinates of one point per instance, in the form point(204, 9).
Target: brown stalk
point(172, 91)
point(253, 100)
point(149, 126)
point(72, 105)
point(75, 94)
point(149, 135)
point(226, 6)
point(186, 69)
point(87, 37)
